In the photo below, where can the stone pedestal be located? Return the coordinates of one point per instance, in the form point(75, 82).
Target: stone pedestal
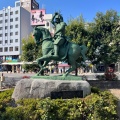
point(42, 88)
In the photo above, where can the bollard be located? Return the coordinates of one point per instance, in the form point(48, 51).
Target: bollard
point(2, 79)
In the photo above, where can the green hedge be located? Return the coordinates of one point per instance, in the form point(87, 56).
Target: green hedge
point(97, 106)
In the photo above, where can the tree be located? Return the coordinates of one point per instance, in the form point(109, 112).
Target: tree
point(76, 30)
point(105, 37)
point(30, 52)
point(102, 37)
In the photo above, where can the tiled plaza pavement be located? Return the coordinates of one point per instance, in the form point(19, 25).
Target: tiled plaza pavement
point(116, 92)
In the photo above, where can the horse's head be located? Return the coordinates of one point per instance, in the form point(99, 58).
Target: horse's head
point(41, 33)
point(37, 35)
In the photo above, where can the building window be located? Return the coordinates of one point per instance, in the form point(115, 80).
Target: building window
point(0, 42)
point(0, 21)
point(11, 26)
point(6, 14)
point(16, 40)
point(0, 35)
point(6, 34)
point(16, 19)
point(16, 33)
point(11, 40)
point(11, 34)
point(0, 28)
point(6, 27)
point(16, 26)
point(1, 49)
point(16, 48)
point(6, 41)
point(11, 20)
point(17, 4)
point(1, 15)
point(10, 48)
point(16, 12)
point(6, 21)
point(11, 13)
point(5, 49)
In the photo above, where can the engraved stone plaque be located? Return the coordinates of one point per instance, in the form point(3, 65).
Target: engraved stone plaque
point(67, 94)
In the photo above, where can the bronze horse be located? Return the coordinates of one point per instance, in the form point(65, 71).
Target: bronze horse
point(69, 52)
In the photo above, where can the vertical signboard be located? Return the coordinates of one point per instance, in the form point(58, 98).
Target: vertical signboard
point(37, 17)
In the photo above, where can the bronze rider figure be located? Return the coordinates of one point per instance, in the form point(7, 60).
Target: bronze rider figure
point(59, 36)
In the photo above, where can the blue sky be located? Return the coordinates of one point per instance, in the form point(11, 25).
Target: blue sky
point(73, 8)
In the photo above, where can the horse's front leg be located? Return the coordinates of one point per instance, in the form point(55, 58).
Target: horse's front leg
point(42, 66)
point(45, 63)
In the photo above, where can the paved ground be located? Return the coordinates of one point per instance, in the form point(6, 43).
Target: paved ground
point(89, 76)
point(116, 92)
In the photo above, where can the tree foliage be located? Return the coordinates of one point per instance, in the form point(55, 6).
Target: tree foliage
point(106, 37)
point(30, 51)
point(76, 30)
point(102, 36)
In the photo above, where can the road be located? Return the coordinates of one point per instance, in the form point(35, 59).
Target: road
point(89, 76)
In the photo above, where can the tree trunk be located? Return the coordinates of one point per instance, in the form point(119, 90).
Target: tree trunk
point(76, 72)
point(106, 66)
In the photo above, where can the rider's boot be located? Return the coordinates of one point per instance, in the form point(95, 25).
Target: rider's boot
point(56, 49)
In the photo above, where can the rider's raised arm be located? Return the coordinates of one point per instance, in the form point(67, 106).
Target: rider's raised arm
point(53, 17)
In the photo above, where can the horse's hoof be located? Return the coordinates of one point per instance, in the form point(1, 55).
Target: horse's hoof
point(37, 74)
point(64, 75)
point(37, 60)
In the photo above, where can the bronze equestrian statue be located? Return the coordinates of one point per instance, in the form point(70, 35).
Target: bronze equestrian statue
point(57, 48)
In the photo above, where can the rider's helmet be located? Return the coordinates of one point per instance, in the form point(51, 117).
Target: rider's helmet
point(58, 18)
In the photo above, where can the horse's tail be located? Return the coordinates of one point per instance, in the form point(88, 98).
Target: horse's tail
point(83, 51)
point(84, 48)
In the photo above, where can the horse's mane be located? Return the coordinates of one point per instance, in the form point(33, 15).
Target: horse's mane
point(44, 30)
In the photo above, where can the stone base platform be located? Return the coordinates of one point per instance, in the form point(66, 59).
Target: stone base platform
point(42, 88)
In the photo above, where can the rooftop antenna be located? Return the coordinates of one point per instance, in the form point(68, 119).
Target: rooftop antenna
point(37, 0)
point(43, 6)
point(59, 11)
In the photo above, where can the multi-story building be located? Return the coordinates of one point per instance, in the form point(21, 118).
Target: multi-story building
point(38, 16)
point(14, 26)
point(27, 4)
point(48, 23)
point(17, 23)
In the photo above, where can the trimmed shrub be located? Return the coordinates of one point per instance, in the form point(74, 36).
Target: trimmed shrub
point(97, 106)
point(5, 101)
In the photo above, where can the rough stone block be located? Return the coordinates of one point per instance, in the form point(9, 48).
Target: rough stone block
point(42, 88)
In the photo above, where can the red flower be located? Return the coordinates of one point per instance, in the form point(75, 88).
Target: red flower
point(26, 77)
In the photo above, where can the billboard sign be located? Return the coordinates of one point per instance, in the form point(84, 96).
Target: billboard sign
point(9, 59)
point(37, 17)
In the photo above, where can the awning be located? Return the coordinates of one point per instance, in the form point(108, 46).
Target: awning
point(16, 63)
point(63, 65)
